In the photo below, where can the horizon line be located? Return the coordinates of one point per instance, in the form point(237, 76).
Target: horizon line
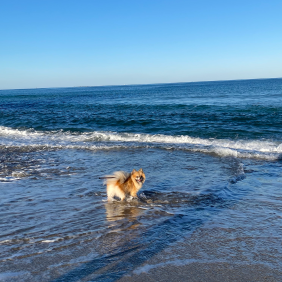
point(139, 84)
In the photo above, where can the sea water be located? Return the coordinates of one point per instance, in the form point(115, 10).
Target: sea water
point(211, 152)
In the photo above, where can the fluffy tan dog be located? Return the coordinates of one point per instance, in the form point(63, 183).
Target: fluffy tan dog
point(121, 183)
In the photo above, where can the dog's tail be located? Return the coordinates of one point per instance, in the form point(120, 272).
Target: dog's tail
point(120, 176)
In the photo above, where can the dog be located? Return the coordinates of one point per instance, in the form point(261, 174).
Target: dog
point(122, 184)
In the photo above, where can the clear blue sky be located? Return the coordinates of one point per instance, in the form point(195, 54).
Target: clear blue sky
point(46, 43)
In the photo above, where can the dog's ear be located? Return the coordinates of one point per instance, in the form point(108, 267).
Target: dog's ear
point(141, 170)
point(134, 170)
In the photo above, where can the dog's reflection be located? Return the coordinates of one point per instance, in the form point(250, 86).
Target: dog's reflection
point(118, 211)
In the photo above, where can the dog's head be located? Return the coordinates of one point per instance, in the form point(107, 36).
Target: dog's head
point(138, 176)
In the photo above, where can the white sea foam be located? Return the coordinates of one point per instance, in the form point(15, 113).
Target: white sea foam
point(97, 140)
point(50, 241)
point(5, 241)
point(8, 179)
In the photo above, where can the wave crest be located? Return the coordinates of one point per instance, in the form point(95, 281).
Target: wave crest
point(97, 140)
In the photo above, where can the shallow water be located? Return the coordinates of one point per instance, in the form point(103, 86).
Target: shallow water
point(205, 200)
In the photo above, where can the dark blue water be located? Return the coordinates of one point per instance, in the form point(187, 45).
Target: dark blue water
point(248, 109)
point(211, 152)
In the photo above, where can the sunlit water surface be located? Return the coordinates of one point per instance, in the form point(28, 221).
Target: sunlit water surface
point(212, 192)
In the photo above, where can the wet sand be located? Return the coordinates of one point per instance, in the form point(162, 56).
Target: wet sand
point(214, 254)
point(208, 272)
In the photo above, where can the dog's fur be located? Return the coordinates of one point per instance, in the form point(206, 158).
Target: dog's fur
point(122, 184)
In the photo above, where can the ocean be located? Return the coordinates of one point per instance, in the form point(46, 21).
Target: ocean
point(211, 205)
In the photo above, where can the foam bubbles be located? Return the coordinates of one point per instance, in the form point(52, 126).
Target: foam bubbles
point(98, 140)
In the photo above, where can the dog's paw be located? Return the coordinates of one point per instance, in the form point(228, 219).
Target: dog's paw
point(130, 198)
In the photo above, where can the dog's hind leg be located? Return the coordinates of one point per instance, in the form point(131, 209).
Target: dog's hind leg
point(113, 190)
point(119, 193)
point(110, 192)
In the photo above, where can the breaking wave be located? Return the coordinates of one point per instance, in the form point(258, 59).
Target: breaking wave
point(30, 139)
